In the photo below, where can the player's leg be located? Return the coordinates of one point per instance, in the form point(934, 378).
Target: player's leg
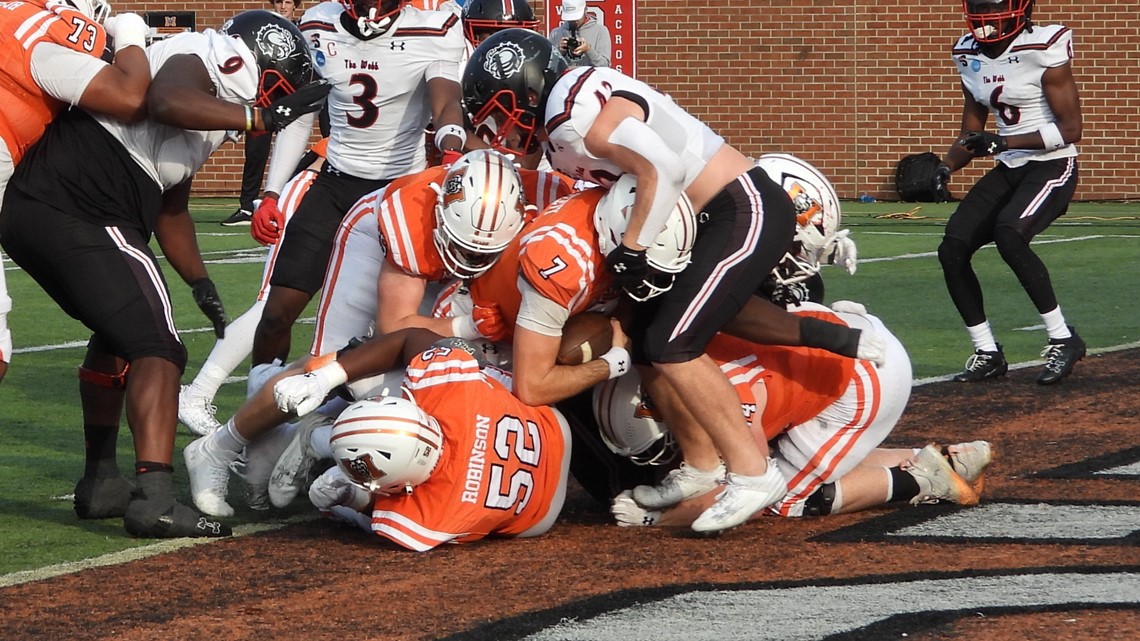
point(103, 491)
point(970, 227)
point(1044, 190)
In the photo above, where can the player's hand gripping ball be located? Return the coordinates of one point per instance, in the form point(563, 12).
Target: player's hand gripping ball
point(585, 337)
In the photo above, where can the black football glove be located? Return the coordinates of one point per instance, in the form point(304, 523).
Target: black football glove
point(940, 180)
point(627, 266)
point(983, 143)
point(206, 295)
point(285, 110)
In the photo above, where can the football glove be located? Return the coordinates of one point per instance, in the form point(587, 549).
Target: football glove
point(983, 143)
point(127, 30)
point(627, 266)
point(268, 221)
point(285, 110)
point(306, 392)
point(482, 322)
point(872, 348)
point(206, 296)
point(628, 513)
point(334, 488)
point(941, 179)
point(843, 252)
point(849, 307)
point(450, 157)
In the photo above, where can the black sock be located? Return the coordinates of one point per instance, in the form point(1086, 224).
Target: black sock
point(99, 443)
point(904, 487)
point(155, 480)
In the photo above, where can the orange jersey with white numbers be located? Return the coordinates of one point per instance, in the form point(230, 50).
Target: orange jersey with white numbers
point(501, 464)
point(27, 108)
point(557, 253)
point(407, 216)
point(799, 381)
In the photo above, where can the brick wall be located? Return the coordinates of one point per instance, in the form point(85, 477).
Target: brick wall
point(851, 85)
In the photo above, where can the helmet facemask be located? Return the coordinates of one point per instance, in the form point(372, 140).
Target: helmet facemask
point(372, 16)
point(97, 10)
point(505, 127)
point(994, 21)
point(481, 18)
point(629, 423)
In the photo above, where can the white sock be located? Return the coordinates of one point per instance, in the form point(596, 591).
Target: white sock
point(1055, 324)
point(319, 440)
point(983, 337)
point(890, 487)
point(228, 438)
point(230, 351)
point(208, 380)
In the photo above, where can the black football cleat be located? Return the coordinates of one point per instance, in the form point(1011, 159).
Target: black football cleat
point(153, 513)
point(102, 497)
point(983, 365)
point(1060, 357)
point(240, 218)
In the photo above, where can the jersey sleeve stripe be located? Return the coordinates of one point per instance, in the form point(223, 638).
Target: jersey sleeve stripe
point(564, 115)
point(408, 532)
point(1041, 46)
point(34, 28)
point(317, 25)
point(400, 248)
point(430, 32)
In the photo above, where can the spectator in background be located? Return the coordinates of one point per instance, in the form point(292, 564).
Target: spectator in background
point(582, 40)
point(257, 145)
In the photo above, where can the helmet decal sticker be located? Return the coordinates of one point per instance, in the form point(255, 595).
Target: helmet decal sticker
point(504, 60)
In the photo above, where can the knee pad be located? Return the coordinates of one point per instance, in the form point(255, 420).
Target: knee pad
point(104, 379)
point(820, 502)
point(953, 253)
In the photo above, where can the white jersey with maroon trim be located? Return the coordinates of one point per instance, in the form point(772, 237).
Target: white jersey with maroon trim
point(577, 99)
point(1010, 85)
point(171, 155)
point(379, 104)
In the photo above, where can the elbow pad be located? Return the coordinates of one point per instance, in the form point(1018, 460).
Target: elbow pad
point(640, 138)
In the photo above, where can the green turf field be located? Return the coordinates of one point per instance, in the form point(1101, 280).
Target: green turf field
point(1092, 253)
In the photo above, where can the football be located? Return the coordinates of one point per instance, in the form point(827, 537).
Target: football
point(585, 337)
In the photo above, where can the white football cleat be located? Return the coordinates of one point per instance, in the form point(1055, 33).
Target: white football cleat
point(255, 465)
point(742, 497)
point(970, 460)
point(937, 480)
point(197, 412)
point(292, 468)
point(209, 469)
point(685, 482)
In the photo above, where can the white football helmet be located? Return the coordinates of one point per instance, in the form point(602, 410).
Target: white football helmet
point(386, 444)
point(97, 10)
point(629, 424)
point(817, 215)
point(670, 252)
point(479, 211)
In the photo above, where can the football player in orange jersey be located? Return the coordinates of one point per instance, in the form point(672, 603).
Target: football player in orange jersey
point(52, 57)
point(825, 417)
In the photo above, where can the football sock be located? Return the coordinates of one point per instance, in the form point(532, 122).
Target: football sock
point(904, 487)
point(1055, 324)
point(99, 443)
point(983, 337)
point(228, 438)
point(319, 441)
point(230, 351)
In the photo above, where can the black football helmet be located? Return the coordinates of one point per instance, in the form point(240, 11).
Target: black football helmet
point(506, 85)
point(282, 53)
point(484, 17)
point(997, 20)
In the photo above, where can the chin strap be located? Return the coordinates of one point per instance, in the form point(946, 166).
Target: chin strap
point(371, 25)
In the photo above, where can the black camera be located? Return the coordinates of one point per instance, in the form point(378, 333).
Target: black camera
point(572, 44)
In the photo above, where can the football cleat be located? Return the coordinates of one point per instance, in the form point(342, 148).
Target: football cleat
point(970, 460)
point(937, 480)
point(255, 465)
point(102, 497)
point(982, 365)
point(241, 217)
point(1060, 357)
point(196, 412)
point(154, 513)
point(291, 469)
point(742, 497)
point(209, 469)
point(685, 482)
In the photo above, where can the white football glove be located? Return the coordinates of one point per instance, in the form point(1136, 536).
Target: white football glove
point(872, 348)
point(334, 488)
point(128, 30)
point(843, 252)
point(628, 513)
point(849, 307)
point(306, 392)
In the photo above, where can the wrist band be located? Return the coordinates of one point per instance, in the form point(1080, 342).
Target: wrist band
point(618, 360)
point(450, 130)
point(1051, 136)
point(248, 118)
point(464, 327)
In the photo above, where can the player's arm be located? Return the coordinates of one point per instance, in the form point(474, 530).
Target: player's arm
point(174, 230)
point(974, 115)
point(447, 115)
point(183, 95)
point(120, 89)
point(1064, 101)
point(620, 135)
point(400, 295)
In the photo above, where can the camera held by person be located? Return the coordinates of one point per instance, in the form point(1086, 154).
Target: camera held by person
point(581, 38)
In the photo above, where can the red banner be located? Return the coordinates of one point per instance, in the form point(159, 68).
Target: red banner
point(619, 17)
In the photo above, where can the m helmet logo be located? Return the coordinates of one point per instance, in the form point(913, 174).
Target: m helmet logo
point(363, 469)
point(453, 188)
point(275, 42)
point(504, 60)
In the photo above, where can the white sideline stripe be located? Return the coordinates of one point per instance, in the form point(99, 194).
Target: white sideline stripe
point(309, 320)
point(918, 382)
point(142, 552)
point(988, 247)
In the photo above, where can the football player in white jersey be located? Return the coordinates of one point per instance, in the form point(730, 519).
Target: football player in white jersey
point(1021, 73)
point(104, 188)
point(598, 124)
point(393, 68)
